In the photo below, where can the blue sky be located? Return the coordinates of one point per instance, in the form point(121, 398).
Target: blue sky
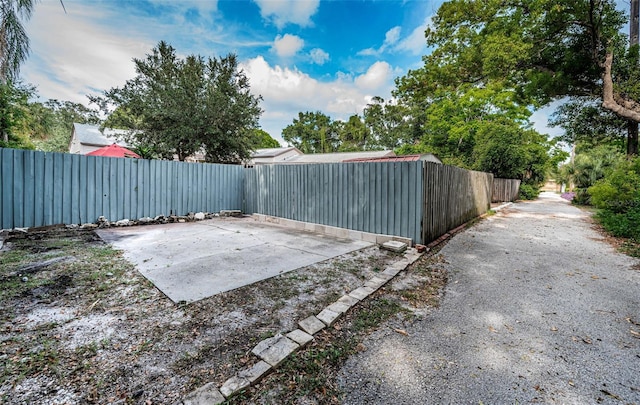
point(300, 55)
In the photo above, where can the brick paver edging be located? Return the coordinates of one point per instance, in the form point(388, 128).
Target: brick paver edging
point(272, 351)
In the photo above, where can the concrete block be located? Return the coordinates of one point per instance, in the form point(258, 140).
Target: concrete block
point(207, 394)
point(320, 229)
point(279, 351)
point(392, 271)
point(412, 255)
point(328, 316)
point(362, 293)
point(339, 307)
point(348, 300)
point(342, 233)
point(331, 231)
point(355, 235)
point(233, 385)
point(369, 237)
point(309, 227)
point(380, 239)
point(300, 337)
point(386, 276)
point(395, 246)
point(408, 241)
point(375, 282)
point(311, 325)
point(265, 344)
point(256, 372)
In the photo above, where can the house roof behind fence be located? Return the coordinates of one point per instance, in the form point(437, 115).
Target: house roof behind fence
point(429, 157)
point(272, 152)
point(91, 135)
point(337, 157)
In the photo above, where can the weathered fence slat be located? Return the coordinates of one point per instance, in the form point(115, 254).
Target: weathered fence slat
point(452, 196)
point(505, 190)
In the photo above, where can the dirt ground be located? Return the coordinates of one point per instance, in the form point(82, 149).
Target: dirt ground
point(78, 323)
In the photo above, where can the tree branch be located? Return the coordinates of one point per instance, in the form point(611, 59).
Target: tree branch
point(629, 110)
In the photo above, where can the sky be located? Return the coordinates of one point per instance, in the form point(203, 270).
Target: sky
point(299, 55)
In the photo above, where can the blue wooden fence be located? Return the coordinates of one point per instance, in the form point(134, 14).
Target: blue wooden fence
point(40, 188)
point(416, 200)
point(382, 198)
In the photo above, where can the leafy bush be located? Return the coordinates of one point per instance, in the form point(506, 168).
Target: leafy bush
point(625, 225)
point(528, 192)
point(618, 198)
point(620, 190)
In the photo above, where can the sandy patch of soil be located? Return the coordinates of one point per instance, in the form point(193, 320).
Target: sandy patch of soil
point(91, 329)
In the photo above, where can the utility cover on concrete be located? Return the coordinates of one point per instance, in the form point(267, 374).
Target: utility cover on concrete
point(395, 246)
point(196, 260)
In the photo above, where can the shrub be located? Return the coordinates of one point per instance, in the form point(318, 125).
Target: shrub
point(620, 190)
point(618, 198)
point(624, 225)
point(528, 192)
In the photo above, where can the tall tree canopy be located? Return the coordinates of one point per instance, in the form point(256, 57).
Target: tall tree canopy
point(312, 132)
point(14, 115)
point(262, 140)
point(182, 106)
point(543, 49)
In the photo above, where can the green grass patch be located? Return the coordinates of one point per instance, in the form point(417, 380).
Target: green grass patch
point(377, 311)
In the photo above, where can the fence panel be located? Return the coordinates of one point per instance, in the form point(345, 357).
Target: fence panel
point(505, 190)
point(369, 197)
point(452, 196)
point(41, 188)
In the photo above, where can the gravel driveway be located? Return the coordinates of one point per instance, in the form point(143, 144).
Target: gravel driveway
point(539, 309)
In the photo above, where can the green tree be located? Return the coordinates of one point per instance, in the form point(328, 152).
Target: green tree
point(52, 122)
point(587, 125)
point(262, 140)
point(544, 49)
point(392, 124)
point(14, 115)
point(182, 106)
point(312, 132)
point(354, 135)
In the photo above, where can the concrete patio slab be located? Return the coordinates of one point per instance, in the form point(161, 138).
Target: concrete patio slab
point(196, 260)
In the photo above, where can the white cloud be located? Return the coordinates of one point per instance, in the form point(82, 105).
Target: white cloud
point(287, 45)
point(286, 92)
point(391, 37)
point(415, 42)
point(318, 56)
point(375, 77)
point(282, 12)
point(81, 57)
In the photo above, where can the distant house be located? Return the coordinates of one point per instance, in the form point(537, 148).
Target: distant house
point(273, 155)
point(293, 156)
point(87, 138)
point(425, 157)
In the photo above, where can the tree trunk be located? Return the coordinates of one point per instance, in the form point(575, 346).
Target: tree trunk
point(617, 105)
point(632, 138)
point(632, 126)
